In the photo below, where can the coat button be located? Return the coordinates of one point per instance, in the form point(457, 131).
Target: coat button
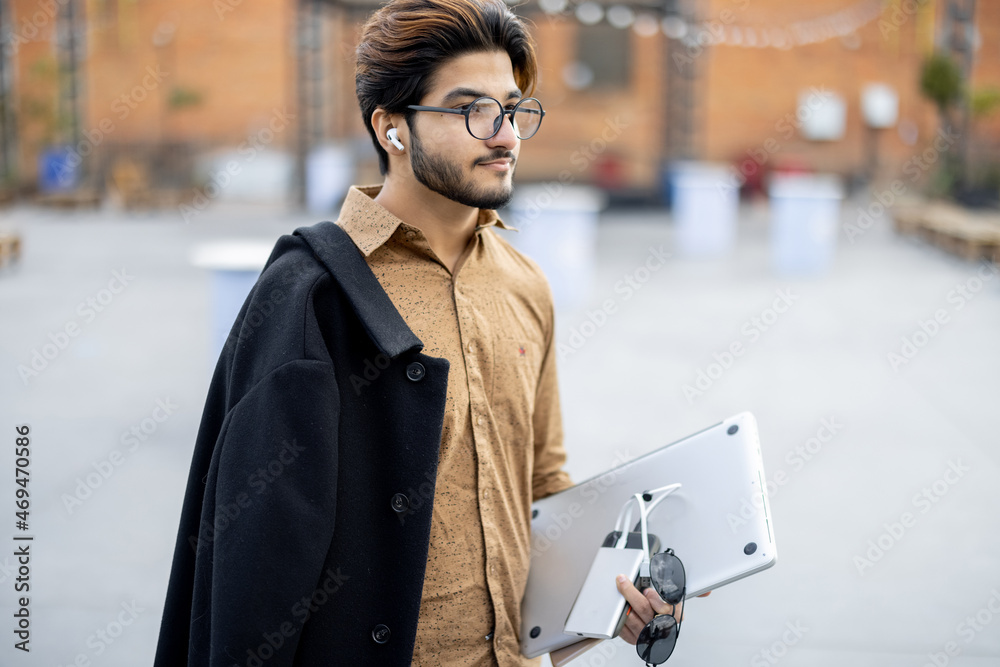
point(415, 371)
point(400, 503)
point(380, 634)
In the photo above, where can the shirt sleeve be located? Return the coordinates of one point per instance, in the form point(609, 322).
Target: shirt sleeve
point(550, 454)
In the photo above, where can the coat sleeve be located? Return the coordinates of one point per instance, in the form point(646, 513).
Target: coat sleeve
point(256, 525)
point(548, 477)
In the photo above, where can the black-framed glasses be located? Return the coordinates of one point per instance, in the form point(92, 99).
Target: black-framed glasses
point(485, 115)
point(657, 640)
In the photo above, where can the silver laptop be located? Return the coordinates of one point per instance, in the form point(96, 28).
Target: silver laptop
point(718, 523)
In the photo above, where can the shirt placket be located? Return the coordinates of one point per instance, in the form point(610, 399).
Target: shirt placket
point(477, 351)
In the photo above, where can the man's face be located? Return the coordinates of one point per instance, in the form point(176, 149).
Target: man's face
point(449, 160)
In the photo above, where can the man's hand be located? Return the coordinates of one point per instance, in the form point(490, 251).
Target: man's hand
point(643, 606)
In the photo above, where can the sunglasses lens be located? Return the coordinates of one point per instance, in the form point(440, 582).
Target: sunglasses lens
point(667, 575)
point(657, 640)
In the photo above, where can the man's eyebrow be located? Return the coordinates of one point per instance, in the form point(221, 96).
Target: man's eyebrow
point(469, 92)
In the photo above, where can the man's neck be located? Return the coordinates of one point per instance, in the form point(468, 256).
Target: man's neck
point(447, 225)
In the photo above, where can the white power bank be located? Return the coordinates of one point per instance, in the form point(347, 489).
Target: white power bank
point(598, 609)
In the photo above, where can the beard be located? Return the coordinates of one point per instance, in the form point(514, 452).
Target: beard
point(436, 173)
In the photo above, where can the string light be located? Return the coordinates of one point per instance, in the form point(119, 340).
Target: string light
point(839, 25)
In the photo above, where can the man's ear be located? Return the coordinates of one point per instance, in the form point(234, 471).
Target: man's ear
point(382, 122)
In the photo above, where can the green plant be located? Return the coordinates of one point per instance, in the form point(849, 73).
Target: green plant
point(984, 101)
point(181, 97)
point(941, 81)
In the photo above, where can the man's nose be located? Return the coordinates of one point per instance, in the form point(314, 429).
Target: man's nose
point(505, 136)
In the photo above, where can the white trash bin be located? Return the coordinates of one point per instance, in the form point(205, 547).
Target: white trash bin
point(705, 207)
point(329, 173)
point(558, 229)
point(805, 216)
point(235, 267)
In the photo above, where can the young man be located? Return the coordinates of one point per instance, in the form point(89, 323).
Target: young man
point(374, 436)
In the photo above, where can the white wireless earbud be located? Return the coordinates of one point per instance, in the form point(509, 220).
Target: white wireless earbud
point(393, 139)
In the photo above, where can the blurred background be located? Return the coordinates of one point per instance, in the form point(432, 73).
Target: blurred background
point(816, 185)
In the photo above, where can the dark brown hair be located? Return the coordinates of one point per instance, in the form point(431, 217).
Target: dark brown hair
point(405, 42)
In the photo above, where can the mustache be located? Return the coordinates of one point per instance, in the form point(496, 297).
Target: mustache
point(497, 155)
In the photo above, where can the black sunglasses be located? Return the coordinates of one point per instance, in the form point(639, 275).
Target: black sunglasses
point(657, 640)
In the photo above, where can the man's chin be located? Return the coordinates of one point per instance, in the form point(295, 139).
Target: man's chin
point(485, 198)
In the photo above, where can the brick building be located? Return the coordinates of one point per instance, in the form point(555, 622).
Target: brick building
point(731, 83)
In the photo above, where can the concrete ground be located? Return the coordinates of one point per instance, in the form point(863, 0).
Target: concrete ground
point(888, 529)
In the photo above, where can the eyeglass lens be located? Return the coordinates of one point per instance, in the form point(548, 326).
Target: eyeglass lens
point(486, 115)
point(667, 576)
point(656, 641)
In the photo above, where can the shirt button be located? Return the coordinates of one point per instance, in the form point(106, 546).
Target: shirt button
point(415, 371)
point(410, 234)
point(470, 346)
point(479, 421)
point(400, 503)
point(486, 494)
point(493, 570)
point(381, 633)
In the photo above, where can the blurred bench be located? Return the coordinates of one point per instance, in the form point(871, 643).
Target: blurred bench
point(131, 184)
point(10, 248)
point(971, 235)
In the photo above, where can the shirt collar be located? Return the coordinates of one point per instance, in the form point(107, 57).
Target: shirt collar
point(369, 224)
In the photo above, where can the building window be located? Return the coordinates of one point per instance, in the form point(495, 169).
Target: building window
point(603, 57)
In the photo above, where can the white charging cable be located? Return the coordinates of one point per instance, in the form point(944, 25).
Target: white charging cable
point(625, 516)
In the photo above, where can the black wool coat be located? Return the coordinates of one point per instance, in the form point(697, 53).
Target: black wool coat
point(305, 525)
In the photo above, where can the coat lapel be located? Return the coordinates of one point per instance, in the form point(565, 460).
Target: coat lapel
point(372, 305)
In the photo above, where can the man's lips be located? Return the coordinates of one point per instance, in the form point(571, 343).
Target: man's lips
point(502, 164)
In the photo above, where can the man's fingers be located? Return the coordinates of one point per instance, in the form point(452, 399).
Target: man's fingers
point(642, 612)
point(656, 602)
point(627, 634)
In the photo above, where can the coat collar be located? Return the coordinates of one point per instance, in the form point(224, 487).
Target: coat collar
point(343, 260)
